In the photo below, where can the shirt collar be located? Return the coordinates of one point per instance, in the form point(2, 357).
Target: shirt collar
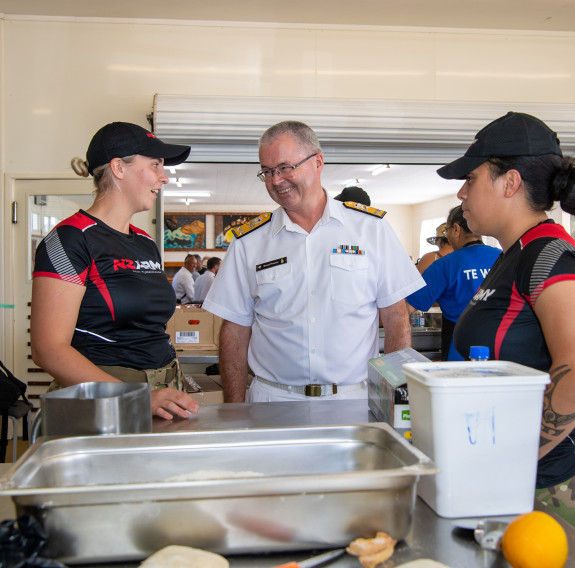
point(333, 210)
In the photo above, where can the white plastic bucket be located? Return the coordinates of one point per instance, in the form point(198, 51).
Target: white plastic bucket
point(479, 422)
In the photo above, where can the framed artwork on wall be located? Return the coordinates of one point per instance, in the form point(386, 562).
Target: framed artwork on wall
point(223, 225)
point(183, 231)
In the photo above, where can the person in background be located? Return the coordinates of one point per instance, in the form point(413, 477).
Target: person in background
point(198, 266)
point(183, 281)
point(453, 280)
point(524, 310)
point(203, 265)
point(439, 241)
point(355, 194)
point(300, 289)
point(205, 281)
point(100, 299)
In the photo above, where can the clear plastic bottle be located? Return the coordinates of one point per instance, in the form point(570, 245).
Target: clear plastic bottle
point(421, 319)
point(478, 353)
point(417, 319)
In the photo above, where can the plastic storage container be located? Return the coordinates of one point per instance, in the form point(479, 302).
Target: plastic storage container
point(479, 422)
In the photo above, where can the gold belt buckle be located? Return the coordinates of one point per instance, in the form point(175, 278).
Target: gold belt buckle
point(313, 390)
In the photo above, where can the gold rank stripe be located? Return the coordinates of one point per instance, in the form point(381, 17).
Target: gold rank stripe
point(252, 225)
point(365, 209)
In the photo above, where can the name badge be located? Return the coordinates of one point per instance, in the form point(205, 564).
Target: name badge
point(271, 263)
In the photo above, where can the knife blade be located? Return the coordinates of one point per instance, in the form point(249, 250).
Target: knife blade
point(314, 561)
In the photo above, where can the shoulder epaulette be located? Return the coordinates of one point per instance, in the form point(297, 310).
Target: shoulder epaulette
point(365, 209)
point(252, 225)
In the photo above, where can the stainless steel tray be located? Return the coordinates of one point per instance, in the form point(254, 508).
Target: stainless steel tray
point(110, 498)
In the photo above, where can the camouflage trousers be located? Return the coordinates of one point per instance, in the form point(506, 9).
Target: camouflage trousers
point(559, 499)
point(167, 376)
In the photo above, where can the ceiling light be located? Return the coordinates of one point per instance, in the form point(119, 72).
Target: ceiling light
point(172, 170)
point(186, 193)
point(178, 182)
point(351, 182)
point(381, 168)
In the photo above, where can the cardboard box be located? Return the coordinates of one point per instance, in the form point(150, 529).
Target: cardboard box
point(211, 389)
point(194, 329)
point(387, 388)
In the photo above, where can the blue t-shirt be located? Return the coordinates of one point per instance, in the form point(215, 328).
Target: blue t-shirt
point(453, 280)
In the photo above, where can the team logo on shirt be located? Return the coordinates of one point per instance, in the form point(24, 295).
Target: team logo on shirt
point(475, 273)
point(483, 295)
point(129, 264)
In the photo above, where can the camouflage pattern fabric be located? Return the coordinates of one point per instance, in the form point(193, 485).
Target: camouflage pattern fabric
point(168, 376)
point(559, 499)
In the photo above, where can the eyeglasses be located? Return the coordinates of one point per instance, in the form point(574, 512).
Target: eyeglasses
point(444, 233)
point(282, 171)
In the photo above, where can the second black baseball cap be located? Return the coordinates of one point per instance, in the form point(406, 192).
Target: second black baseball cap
point(515, 134)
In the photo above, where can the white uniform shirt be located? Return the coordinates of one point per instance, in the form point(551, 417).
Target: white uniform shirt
point(202, 285)
point(312, 309)
point(183, 285)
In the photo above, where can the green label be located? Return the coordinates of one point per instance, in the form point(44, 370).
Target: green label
point(405, 415)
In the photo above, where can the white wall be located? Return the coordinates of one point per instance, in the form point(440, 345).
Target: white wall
point(64, 79)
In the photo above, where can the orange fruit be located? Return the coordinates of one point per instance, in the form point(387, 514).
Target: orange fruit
point(535, 540)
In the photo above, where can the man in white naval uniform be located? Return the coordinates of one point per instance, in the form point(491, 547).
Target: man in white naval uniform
point(301, 290)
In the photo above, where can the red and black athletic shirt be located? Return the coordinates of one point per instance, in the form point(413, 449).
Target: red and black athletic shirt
point(128, 299)
point(501, 316)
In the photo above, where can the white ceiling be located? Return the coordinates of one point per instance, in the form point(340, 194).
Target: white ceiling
point(236, 184)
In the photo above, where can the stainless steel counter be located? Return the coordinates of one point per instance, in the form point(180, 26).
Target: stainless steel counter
point(430, 537)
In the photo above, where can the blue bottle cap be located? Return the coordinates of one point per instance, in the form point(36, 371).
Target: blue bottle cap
point(479, 352)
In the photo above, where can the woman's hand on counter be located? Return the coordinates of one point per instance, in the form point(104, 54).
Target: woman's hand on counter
point(168, 402)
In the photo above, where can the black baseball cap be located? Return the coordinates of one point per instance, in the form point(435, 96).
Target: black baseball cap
point(121, 139)
point(355, 194)
point(515, 134)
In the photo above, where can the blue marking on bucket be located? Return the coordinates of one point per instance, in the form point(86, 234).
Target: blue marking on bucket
point(480, 426)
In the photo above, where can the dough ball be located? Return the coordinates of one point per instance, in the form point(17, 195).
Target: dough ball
point(184, 557)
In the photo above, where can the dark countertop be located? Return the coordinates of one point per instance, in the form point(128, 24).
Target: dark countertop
point(430, 536)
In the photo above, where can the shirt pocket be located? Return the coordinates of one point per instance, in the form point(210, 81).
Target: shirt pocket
point(349, 278)
point(275, 288)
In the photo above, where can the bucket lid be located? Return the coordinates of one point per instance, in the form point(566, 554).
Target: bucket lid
point(474, 374)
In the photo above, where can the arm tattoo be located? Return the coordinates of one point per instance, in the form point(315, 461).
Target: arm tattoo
point(550, 415)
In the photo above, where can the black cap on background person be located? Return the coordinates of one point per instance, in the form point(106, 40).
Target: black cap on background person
point(515, 134)
point(122, 139)
point(355, 194)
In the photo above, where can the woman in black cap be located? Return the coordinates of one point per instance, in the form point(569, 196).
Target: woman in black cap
point(525, 309)
point(100, 299)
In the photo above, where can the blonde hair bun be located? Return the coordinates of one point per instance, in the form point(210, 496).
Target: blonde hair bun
point(80, 167)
